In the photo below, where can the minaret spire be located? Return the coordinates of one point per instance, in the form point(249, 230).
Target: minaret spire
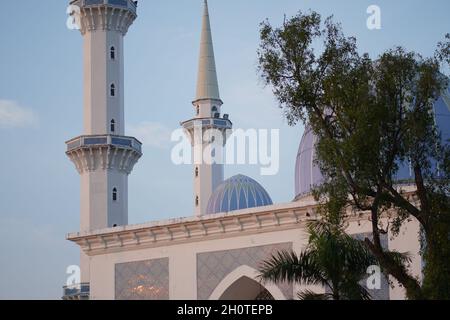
point(207, 84)
point(208, 121)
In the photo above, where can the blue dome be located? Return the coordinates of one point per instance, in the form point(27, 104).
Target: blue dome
point(442, 120)
point(308, 175)
point(236, 193)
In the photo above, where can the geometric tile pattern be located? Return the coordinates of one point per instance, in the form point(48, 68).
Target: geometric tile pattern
point(213, 267)
point(142, 280)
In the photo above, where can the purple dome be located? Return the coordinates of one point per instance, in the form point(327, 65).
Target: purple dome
point(308, 175)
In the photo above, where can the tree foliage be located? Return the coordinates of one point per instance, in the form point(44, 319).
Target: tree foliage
point(370, 117)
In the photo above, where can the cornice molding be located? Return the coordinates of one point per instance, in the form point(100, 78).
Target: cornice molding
point(176, 231)
point(279, 217)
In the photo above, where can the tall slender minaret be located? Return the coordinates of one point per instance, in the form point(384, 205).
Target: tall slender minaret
point(207, 110)
point(103, 156)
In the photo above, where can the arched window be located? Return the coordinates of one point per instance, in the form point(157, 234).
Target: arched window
point(114, 194)
point(112, 53)
point(196, 172)
point(113, 125)
point(198, 110)
point(197, 200)
point(113, 90)
point(215, 112)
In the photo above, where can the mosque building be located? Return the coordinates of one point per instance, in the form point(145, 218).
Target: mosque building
point(215, 253)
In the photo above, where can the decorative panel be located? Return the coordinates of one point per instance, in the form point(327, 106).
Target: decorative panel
point(142, 280)
point(213, 267)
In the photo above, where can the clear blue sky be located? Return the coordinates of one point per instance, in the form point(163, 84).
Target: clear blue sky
point(41, 88)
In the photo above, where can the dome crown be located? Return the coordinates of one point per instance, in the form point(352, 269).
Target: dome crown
point(237, 193)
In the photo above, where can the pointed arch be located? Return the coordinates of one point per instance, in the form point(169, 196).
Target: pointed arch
point(112, 53)
point(112, 90)
point(114, 194)
point(239, 273)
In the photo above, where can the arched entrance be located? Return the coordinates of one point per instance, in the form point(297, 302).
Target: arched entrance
point(246, 289)
point(242, 284)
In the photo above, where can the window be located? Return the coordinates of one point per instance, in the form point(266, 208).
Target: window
point(113, 125)
point(114, 194)
point(196, 172)
point(113, 90)
point(112, 53)
point(215, 112)
point(197, 200)
point(198, 110)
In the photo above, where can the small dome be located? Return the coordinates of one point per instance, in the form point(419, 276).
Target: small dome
point(236, 193)
point(308, 175)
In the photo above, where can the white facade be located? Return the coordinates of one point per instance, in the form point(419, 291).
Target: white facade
point(182, 242)
point(202, 257)
point(103, 156)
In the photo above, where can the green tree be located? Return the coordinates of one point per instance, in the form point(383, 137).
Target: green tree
point(332, 259)
point(370, 117)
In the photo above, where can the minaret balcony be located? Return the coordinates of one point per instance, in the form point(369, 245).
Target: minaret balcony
point(101, 140)
point(104, 152)
point(208, 123)
point(127, 4)
point(76, 292)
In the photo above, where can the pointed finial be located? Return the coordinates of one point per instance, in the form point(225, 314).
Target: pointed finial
point(207, 84)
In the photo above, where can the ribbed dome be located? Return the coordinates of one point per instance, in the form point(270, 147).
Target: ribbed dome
point(236, 193)
point(307, 174)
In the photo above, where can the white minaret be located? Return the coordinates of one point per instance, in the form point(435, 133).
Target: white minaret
point(103, 156)
point(207, 110)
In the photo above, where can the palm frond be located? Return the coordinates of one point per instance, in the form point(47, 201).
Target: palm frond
point(332, 259)
point(358, 256)
point(351, 290)
point(290, 267)
point(400, 258)
point(310, 295)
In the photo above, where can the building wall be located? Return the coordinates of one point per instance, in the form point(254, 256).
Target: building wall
point(183, 258)
point(182, 261)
